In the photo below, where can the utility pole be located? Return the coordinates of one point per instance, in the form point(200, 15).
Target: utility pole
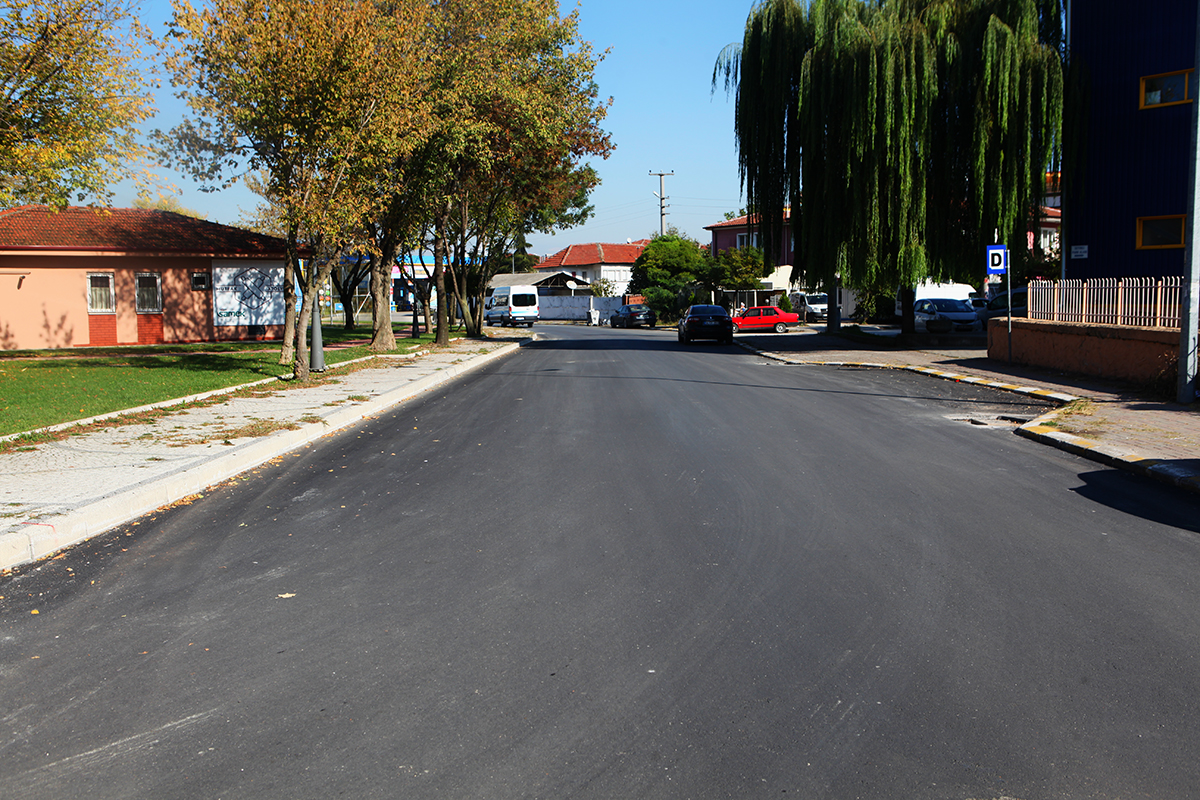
point(661, 194)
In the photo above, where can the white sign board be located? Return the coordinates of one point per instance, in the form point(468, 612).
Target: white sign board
point(248, 294)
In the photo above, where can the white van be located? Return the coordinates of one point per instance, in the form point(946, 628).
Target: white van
point(938, 291)
point(512, 305)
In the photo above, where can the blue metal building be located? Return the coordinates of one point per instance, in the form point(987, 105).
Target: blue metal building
point(1127, 217)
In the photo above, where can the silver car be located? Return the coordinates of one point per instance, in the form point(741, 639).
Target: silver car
point(943, 315)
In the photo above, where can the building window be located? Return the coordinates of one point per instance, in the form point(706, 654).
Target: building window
point(747, 240)
point(1168, 89)
point(199, 281)
point(101, 298)
point(149, 293)
point(1160, 232)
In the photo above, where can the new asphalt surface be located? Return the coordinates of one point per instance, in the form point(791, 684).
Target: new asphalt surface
point(64, 492)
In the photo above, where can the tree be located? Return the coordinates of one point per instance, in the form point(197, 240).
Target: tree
point(667, 273)
point(167, 202)
point(919, 131)
point(347, 274)
point(741, 268)
point(318, 95)
point(71, 99)
point(603, 287)
point(516, 112)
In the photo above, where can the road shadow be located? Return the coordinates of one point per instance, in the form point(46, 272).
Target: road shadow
point(623, 340)
point(1110, 488)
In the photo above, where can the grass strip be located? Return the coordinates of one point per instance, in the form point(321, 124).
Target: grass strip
point(50, 387)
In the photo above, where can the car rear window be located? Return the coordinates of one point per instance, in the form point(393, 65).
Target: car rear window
point(524, 299)
point(708, 311)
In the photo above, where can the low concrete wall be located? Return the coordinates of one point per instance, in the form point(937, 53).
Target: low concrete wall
point(1139, 355)
point(560, 307)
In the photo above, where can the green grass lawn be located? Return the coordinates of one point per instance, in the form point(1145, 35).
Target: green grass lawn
point(47, 387)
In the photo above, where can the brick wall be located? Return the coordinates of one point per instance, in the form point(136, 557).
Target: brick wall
point(1138, 355)
point(102, 329)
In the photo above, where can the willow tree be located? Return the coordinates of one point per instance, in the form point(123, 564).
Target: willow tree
point(916, 133)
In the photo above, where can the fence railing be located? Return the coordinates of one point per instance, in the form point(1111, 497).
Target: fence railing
point(1149, 302)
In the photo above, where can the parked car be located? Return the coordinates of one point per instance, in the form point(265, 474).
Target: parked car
point(998, 306)
point(764, 318)
point(943, 314)
point(706, 322)
point(816, 307)
point(633, 315)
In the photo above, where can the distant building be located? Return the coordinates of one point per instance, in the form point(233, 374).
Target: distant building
point(592, 262)
point(84, 276)
point(1125, 210)
point(737, 233)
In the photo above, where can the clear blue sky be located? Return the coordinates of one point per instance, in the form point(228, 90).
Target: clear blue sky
point(663, 117)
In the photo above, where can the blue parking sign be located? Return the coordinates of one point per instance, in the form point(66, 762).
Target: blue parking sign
point(997, 259)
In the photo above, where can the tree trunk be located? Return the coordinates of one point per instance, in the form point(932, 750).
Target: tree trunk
point(383, 338)
point(347, 298)
point(439, 277)
point(288, 351)
point(317, 277)
point(908, 319)
point(300, 366)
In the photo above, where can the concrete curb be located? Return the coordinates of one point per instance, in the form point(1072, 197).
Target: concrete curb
point(1040, 430)
point(54, 533)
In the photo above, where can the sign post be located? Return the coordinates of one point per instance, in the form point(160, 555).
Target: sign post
point(997, 264)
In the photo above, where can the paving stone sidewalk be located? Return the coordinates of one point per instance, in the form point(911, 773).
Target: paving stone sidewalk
point(63, 492)
point(1105, 421)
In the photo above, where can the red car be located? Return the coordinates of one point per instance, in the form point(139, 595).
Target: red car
point(764, 318)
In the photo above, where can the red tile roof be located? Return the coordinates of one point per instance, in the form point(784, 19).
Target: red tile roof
point(128, 231)
point(742, 221)
point(592, 255)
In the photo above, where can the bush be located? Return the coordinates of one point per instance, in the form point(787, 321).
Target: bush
point(785, 304)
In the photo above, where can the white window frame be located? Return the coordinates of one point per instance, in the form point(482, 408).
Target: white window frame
point(748, 239)
point(158, 304)
point(112, 293)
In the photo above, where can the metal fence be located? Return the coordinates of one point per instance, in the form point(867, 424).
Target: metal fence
point(1148, 302)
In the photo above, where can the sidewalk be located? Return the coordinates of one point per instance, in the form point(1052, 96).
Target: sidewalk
point(1101, 420)
point(61, 493)
point(64, 492)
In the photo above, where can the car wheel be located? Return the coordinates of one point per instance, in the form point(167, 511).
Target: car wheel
point(780, 327)
point(736, 329)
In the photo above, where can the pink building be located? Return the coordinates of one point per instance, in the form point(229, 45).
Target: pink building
point(736, 233)
point(85, 276)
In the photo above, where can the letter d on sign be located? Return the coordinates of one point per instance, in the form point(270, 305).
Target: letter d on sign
point(997, 259)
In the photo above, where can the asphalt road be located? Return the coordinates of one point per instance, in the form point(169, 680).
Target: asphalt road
point(615, 566)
